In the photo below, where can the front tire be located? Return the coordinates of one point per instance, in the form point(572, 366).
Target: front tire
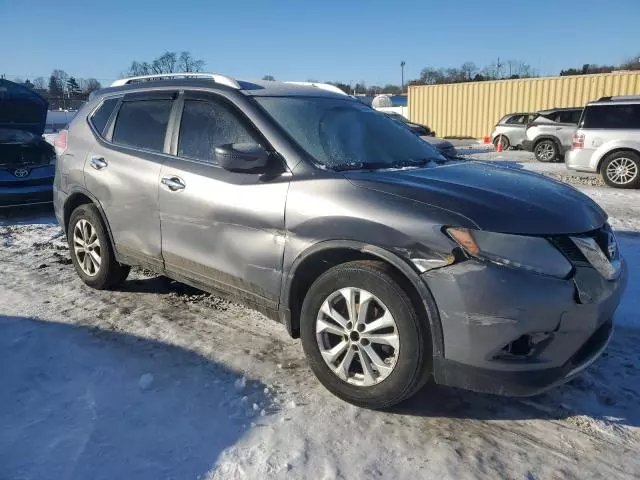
point(363, 337)
point(546, 151)
point(91, 251)
point(621, 170)
point(505, 142)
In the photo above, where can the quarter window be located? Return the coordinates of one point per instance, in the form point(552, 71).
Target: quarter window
point(206, 125)
point(143, 124)
point(101, 116)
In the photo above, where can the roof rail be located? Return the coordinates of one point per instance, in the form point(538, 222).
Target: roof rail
point(619, 98)
point(216, 77)
point(323, 86)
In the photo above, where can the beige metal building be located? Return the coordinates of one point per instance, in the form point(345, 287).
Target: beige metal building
point(472, 109)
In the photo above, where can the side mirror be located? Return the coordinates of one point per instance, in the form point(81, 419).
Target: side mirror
point(242, 157)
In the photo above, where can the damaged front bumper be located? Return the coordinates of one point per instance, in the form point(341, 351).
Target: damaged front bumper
point(510, 332)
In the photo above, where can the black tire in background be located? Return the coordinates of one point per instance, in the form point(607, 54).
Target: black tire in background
point(110, 273)
point(621, 169)
point(546, 151)
point(413, 364)
point(505, 142)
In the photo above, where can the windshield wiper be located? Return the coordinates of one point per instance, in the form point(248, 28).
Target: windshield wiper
point(341, 167)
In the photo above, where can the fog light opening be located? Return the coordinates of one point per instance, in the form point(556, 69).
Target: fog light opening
point(520, 347)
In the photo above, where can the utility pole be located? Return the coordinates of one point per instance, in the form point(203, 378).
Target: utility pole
point(402, 64)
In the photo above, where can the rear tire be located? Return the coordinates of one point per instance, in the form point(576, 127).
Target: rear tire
point(91, 251)
point(505, 142)
point(546, 151)
point(621, 170)
point(367, 371)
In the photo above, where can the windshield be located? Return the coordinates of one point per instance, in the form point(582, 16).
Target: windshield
point(341, 133)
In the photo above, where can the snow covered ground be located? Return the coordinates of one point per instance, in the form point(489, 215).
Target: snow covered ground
point(158, 380)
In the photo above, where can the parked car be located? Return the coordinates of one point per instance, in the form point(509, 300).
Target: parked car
point(57, 120)
point(510, 130)
point(27, 161)
point(445, 147)
point(391, 263)
point(608, 141)
point(418, 129)
point(549, 133)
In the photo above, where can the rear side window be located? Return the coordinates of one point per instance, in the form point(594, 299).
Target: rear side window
point(142, 124)
point(517, 120)
point(206, 125)
point(101, 116)
point(569, 116)
point(612, 116)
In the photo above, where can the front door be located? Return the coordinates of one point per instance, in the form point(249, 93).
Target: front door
point(123, 170)
point(221, 228)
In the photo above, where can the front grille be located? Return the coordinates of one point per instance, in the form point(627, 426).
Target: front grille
point(569, 250)
point(573, 253)
point(36, 182)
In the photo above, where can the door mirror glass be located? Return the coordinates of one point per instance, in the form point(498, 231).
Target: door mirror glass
point(242, 157)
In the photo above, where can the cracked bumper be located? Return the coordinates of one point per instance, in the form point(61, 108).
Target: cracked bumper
point(484, 307)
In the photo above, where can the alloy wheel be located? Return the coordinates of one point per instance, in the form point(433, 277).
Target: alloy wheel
point(622, 171)
point(357, 336)
point(86, 247)
point(545, 152)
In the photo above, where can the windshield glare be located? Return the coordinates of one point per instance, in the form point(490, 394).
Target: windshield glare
point(338, 132)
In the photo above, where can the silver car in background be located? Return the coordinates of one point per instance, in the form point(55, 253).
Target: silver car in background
point(608, 141)
point(549, 133)
point(510, 130)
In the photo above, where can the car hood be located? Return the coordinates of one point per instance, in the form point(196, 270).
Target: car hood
point(21, 108)
point(499, 199)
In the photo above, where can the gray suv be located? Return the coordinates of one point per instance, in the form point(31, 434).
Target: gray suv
point(393, 264)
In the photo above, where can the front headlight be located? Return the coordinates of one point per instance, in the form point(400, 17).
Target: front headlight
point(534, 254)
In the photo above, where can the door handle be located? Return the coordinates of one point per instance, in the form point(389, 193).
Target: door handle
point(173, 183)
point(98, 163)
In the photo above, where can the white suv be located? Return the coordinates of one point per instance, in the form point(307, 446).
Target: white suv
point(608, 141)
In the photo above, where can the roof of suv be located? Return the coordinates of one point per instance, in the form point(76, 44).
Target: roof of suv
point(257, 88)
point(563, 109)
point(618, 100)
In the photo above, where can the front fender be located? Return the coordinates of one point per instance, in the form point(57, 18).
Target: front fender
point(404, 266)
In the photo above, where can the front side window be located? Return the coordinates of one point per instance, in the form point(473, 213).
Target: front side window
point(101, 116)
point(612, 116)
point(206, 125)
point(343, 133)
point(142, 124)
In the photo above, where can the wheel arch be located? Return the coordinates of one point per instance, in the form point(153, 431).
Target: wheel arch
point(604, 155)
point(554, 139)
point(82, 197)
point(324, 255)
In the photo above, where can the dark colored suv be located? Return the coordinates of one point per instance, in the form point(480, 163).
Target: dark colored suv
point(392, 263)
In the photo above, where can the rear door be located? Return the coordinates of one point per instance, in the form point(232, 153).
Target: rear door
point(123, 172)
point(220, 228)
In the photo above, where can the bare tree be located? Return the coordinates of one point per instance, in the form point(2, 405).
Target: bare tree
point(430, 76)
point(39, 83)
point(168, 62)
point(61, 78)
point(469, 70)
point(91, 85)
point(165, 63)
point(186, 63)
point(269, 78)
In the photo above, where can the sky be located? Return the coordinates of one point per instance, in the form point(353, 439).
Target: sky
point(322, 40)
